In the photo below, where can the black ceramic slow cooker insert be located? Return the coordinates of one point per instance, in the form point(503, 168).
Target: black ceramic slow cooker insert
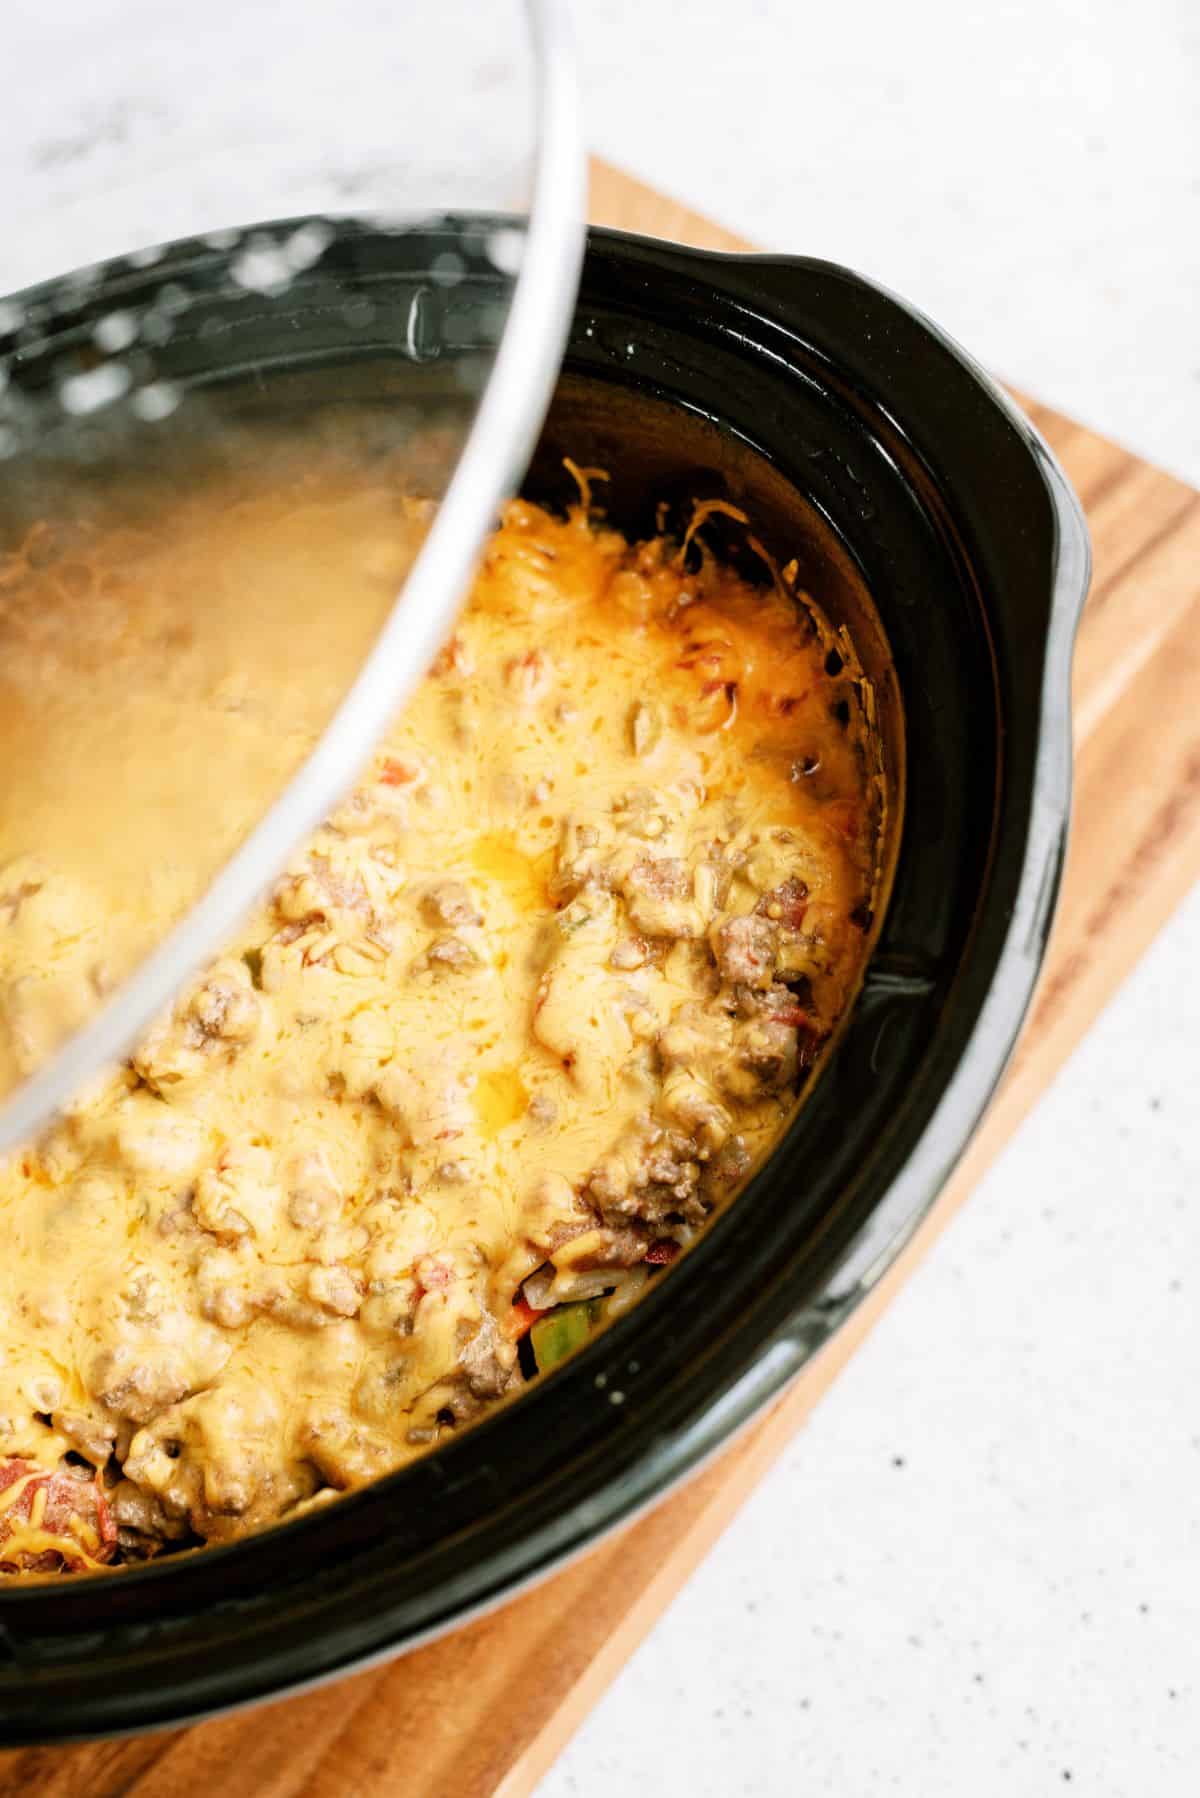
point(866, 444)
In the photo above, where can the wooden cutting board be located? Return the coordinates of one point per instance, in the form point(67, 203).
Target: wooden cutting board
point(483, 1713)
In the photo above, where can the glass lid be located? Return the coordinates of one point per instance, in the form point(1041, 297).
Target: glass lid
point(249, 448)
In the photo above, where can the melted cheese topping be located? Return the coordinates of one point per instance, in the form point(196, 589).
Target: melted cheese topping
point(524, 1010)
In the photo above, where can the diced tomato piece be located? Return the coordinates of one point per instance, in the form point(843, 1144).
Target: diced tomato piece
point(791, 1014)
point(12, 1471)
point(659, 1254)
point(451, 658)
point(395, 773)
point(522, 1318)
point(74, 1511)
point(433, 1274)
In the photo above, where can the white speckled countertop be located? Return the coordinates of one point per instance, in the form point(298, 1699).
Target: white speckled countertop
point(978, 1569)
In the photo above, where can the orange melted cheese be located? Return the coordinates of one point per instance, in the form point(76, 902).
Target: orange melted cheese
point(530, 1002)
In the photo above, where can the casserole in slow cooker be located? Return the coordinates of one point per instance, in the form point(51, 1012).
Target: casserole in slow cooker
point(874, 451)
point(512, 1025)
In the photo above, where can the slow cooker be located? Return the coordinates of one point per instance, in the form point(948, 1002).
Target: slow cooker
point(928, 515)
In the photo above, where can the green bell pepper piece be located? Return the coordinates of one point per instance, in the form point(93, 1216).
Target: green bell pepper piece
point(562, 1331)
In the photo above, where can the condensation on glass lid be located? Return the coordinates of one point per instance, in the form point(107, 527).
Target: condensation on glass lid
point(191, 579)
point(123, 345)
point(415, 228)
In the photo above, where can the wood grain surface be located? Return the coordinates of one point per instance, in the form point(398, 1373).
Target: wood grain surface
point(483, 1713)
